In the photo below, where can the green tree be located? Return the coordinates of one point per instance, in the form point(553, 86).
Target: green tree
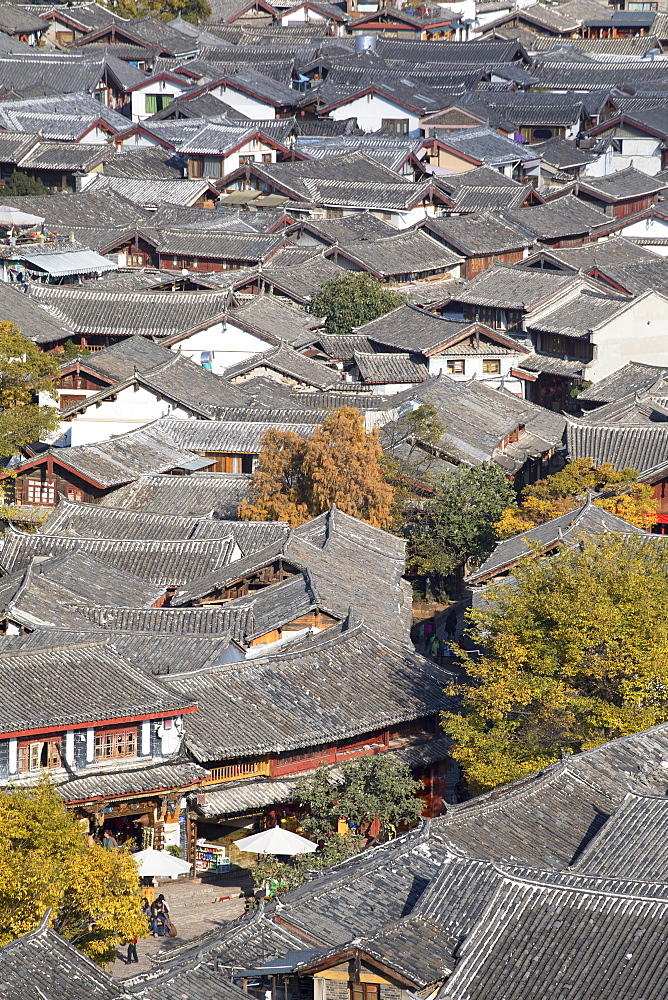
point(575, 654)
point(375, 788)
point(278, 877)
point(566, 489)
point(24, 372)
point(46, 861)
point(457, 527)
point(190, 10)
point(352, 300)
point(410, 445)
point(340, 464)
point(19, 184)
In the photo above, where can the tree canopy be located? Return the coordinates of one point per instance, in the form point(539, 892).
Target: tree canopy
point(24, 372)
point(409, 444)
point(190, 10)
point(573, 655)
point(46, 861)
point(370, 789)
point(564, 490)
point(457, 526)
point(341, 464)
point(352, 300)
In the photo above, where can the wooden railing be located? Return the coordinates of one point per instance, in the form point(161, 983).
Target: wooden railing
point(232, 772)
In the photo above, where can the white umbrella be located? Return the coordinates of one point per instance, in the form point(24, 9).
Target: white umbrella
point(13, 217)
point(276, 841)
point(160, 864)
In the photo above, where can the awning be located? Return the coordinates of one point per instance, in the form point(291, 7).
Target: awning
point(70, 262)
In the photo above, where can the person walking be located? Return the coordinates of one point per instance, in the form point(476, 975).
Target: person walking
point(132, 951)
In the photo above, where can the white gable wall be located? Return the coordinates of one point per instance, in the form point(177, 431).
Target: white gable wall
point(225, 344)
point(164, 88)
point(133, 407)
point(370, 109)
point(253, 107)
point(648, 230)
point(639, 333)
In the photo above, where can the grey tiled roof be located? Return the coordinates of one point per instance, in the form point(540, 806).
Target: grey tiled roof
point(123, 458)
point(583, 521)
point(626, 183)
point(44, 961)
point(478, 234)
point(276, 318)
point(153, 162)
point(195, 495)
point(349, 679)
point(132, 781)
point(404, 253)
point(149, 192)
point(286, 361)
point(625, 447)
point(513, 287)
point(48, 691)
point(630, 378)
point(606, 920)
point(119, 361)
point(411, 329)
point(84, 208)
point(91, 520)
point(165, 562)
point(479, 418)
point(180, 380)
point(559, 218)
point(158, 651)
point(579, 314)
point(240, 437)
point(122, 314)
point(638, 820)
point(486, 145)
point(387, 368)
point(36, 324)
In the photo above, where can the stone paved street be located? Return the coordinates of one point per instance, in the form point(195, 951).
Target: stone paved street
point(195, 908)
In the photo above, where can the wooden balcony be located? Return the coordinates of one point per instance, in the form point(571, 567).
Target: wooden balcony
point(233, 772)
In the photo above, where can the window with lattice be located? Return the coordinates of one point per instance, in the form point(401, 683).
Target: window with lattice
point(113, 743)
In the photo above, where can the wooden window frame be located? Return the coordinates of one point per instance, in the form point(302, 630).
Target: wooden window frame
point(491, 366)
point(456, 367)
point(30, 756)
point(40, 493)
point(116, 743)
point(364, 991)
point(398, 126)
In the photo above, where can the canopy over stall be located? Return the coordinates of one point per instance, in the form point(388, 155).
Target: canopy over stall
point(10, 216)
point(276, 841)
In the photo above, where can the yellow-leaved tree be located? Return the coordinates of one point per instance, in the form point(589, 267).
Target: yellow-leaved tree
point(46, 862)
point(341, 464)
point(575, 654)
point(567, 488)
point(25, 372)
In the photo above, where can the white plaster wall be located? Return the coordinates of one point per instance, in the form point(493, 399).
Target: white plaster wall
point(254, 108)
point(643, 154)
point(640, 333)
point(138, 141)
point(255, 148)
point(473, 366)
point(162, 87)
point(229, 345)
point(131, 409)
point(600, 167)
point(370, 109)
point(648, 229)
